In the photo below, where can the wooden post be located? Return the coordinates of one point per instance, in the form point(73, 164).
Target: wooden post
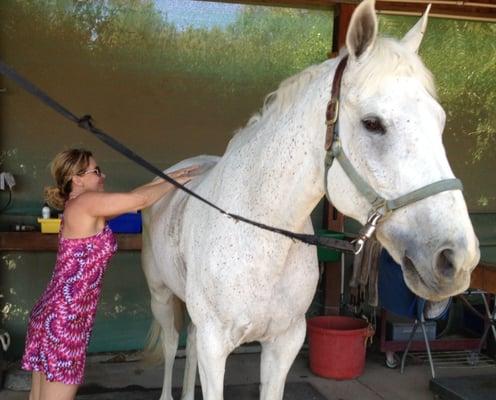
point(342, 18)
point(333, 219)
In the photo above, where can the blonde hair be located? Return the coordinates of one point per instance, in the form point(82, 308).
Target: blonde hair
point(63, 167)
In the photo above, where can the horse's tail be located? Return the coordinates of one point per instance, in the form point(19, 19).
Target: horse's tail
point(153, 353)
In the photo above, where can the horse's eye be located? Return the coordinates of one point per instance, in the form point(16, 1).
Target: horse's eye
point(374, 125)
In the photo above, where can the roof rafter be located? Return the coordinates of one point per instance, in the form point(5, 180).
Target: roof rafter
point(479, 10)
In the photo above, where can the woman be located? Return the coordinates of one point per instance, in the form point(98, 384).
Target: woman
point(61, 321)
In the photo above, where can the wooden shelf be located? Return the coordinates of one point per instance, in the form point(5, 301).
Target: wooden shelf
point(37, 241)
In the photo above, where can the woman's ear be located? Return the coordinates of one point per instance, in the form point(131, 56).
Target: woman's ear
point(76, 181)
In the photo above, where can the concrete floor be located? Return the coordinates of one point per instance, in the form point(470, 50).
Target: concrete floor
point(376, 383)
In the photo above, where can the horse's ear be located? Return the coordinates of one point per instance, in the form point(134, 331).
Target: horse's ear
point(414, 36)
point(363, 29)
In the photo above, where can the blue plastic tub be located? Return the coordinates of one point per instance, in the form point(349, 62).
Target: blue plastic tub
point(126, 223)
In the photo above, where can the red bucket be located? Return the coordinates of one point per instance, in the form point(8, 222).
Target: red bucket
point(337, 346)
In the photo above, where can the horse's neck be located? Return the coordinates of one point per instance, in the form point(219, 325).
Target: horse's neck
point(277, 173)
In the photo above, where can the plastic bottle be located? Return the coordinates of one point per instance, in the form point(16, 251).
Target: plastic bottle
point(45, 212)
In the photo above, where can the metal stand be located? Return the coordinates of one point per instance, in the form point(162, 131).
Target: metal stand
point(427, 347)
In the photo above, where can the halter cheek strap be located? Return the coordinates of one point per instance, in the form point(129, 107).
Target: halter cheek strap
point(378, 202)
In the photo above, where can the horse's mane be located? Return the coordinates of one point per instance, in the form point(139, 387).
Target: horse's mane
point(388, 58)
point(280, 99)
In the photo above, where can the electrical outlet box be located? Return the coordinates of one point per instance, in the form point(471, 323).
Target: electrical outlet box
point(6, 180)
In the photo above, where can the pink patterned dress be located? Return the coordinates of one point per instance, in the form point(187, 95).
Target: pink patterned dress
point(61, 322)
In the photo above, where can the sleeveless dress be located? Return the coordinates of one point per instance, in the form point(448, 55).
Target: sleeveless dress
point(61, 321)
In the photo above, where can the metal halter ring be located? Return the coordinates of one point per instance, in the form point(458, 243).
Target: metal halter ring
point(366, 232)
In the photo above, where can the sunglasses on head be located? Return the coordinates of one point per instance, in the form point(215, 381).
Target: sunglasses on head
point(97, 171)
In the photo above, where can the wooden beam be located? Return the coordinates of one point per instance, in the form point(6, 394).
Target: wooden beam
point(333, 219)
point(484, 277)
point(308, 4)
point(342, 18)
point(479, 10)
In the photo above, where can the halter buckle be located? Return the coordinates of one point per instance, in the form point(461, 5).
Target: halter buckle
point(332, 112)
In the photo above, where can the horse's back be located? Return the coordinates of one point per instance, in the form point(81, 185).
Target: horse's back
point(162, 225)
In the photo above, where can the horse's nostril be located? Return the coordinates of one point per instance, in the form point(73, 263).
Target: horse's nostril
point(444, 263)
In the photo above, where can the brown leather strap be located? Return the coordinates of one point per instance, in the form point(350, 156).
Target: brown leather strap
point(333, 105)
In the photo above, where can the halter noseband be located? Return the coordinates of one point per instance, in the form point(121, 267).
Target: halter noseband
point(379, 205)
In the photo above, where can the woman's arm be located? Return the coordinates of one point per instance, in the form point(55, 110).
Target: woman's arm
point(101, 204)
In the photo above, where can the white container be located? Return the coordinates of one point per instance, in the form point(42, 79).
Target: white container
point(45, 212)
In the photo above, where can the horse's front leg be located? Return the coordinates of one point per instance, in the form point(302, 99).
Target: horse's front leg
point(212, 352)
point(191, 362)
point(277, 357)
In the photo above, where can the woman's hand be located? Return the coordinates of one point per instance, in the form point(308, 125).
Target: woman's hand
point(184, 175)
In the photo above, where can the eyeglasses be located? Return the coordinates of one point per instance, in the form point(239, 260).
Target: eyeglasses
point(97, 171)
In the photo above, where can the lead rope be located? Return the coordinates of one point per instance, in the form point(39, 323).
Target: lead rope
point(86, 123)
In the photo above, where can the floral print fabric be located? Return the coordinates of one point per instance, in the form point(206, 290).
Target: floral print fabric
point(61, 321)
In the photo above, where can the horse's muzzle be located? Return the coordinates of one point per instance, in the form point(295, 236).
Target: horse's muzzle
point(446, 275)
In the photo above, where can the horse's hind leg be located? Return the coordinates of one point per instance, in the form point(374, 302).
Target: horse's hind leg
point(277, 357)
point(166, 309)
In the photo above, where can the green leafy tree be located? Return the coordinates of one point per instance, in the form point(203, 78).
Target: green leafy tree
point(462, 57)
point(259, 49)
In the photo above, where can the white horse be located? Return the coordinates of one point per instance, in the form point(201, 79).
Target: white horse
point(242, 284)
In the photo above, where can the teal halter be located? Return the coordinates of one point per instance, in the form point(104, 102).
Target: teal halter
point(378, 202)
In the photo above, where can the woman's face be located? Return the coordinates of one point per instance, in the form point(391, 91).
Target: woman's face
point(93, 178)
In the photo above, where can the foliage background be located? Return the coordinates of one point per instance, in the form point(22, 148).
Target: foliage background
point(462, 57)
point(247, 59)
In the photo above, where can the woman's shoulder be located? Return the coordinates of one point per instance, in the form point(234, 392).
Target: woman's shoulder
point(75, 208)
point(88, 195)
point(83, 199)
point(77, 224)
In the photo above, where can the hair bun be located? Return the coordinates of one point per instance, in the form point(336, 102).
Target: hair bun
point(54, 198)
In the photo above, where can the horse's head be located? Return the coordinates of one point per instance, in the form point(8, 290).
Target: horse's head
point(390, 128)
